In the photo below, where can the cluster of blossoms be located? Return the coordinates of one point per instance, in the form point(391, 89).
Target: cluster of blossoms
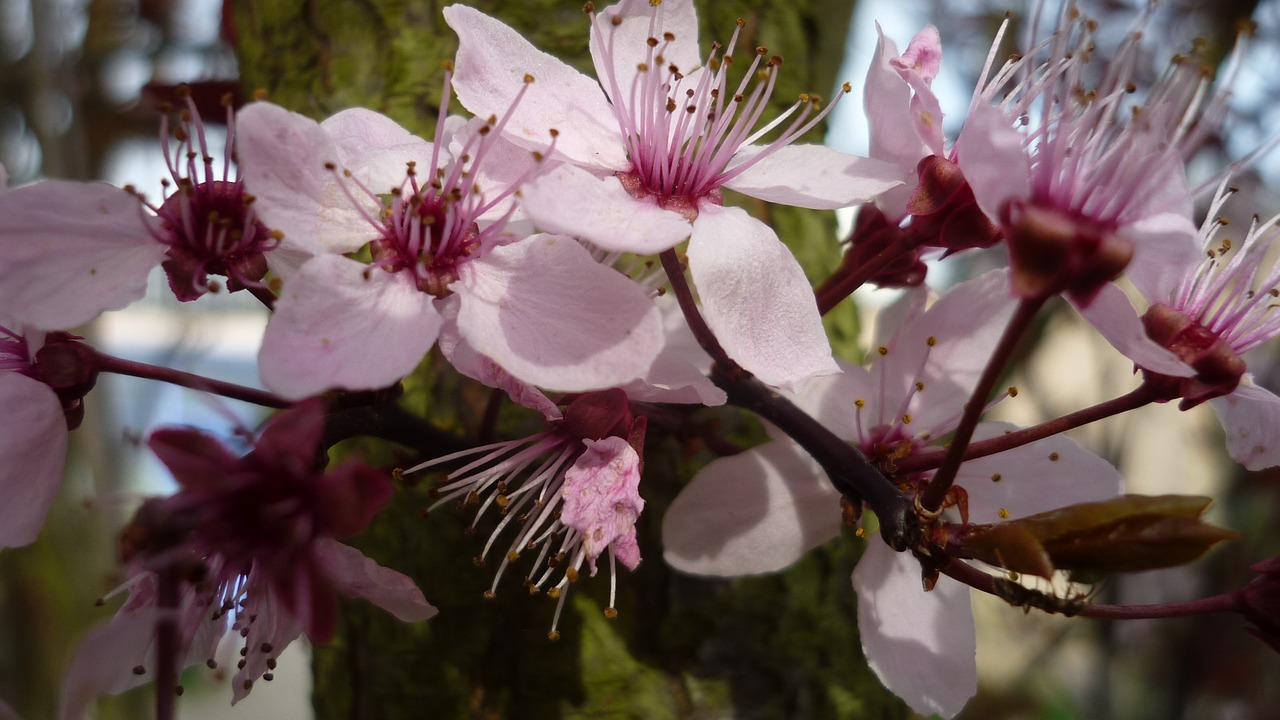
point(520, 242)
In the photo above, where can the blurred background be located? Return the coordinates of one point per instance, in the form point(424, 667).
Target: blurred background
point(79, 84)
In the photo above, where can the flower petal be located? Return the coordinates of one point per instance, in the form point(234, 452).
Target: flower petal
point(756, 299)
point(339, 324)
point(1166, 249)
point(104, 661)
point(602, 500)
point(920, 644)
point(492, 63)
point(572, 201)
point(197, 460)
point(72, 250)
point(1251, 417)
point(282, 158)
point(33, 443)
point(481, 368)
point(550, 315)
point(1113, 316)
point(989, 151)
point(679, 373)
point(1036, 477)
point(627, 41)
point(355, 575)
point(755, 512)
point(812, 176)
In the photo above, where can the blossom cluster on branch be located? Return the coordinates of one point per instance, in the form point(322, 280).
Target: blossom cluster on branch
point(568, 244)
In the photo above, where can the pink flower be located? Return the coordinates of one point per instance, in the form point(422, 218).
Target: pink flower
point(434, 218)
point(759, 511)
point(646, 151)
point(253, 539)
point(1202, 319)
point(573, 491)
point(73, 250)
point(1082, 180)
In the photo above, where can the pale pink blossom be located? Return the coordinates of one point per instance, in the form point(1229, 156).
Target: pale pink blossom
point(73, 250)
point(646, 151)
point(1202, 318)
point(572, 491)
point(1085, 181)
point(434, 217)
point(759, 511)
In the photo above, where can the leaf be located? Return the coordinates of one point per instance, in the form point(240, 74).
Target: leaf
point(1126, 534)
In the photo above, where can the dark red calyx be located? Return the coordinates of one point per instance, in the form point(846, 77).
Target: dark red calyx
point(1053, 252)
point(944, 212)
point(1218, 367)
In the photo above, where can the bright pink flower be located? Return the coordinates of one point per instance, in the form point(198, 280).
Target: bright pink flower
point(759, 511)
point(73, 250)
point(253, 539)
point(435, 219)
point(1083, 180)
point(573, 490)
point(647, 150)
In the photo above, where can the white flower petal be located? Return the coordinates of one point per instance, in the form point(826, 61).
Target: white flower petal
point(33, 443)
point(1251, 418)
point(812, 176)
point(756, 298)
point(1113, 316)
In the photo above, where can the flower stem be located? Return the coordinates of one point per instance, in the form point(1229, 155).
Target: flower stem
point(1140, 396)
point(167, 644)
point(1225, 602)
point(133, 368)
point(850, 276)
point(846, 467)
point(931, 499)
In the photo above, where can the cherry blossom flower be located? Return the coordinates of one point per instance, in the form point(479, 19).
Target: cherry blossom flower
point(572, 490)
point(1090, 182)
point(759, 511)
point(647, 150)
point(1202, 320)
point(434, 216)
point(254, 539)
point(73, 250)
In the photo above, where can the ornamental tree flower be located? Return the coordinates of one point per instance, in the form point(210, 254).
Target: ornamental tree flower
point(253, 542)
point(572, 490)
point(1203, 318)
point(761, 510)
point(73, 250)
point(1081, 180)
point(646, 151)
point(434, 218)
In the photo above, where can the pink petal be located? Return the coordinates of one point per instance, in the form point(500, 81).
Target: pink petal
point(920, 644)
point(813, 176)
point(1251, 417)
point(467, 361)
point(33, 443)
point(1043, 475)
point(626, 43)
point(679, 373)
point(336, 326)
point(829, 399)
point(572, 201)
point(1113, 316)
point(964, 325)
point(72, 250)
point(602, 500)
point(375, 148)
point(104, 661)
point(549, 314)
point(923, 56)
point(1166, 249)
point(355, 575)
point(989, 151)
point(282, 158)
point(491, 65)
point(272, 627)
point(756, 299)
point(886, 99)
point(756, 512)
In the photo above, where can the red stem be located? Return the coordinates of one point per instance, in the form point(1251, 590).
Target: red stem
point(1137, 398)
point(936, 492)
point(133, 368)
